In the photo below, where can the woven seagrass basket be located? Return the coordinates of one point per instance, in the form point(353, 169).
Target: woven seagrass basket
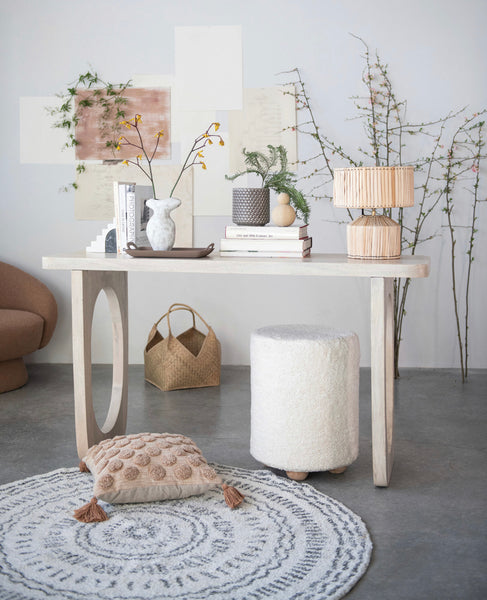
point(189, 360)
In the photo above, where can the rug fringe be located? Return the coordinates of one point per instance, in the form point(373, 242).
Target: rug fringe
point(232, 496)
point(91, 512)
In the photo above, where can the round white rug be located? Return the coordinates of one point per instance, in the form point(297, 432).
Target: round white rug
point(287, 540)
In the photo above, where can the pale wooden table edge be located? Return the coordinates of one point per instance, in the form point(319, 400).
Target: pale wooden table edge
point(331, 265)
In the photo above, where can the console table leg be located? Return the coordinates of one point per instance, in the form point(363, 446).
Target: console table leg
point(86, 285)
point(382, 377)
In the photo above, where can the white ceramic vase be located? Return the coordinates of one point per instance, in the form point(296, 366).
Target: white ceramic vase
point(161, 229)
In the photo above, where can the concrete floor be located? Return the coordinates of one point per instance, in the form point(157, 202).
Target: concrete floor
point(428, 528)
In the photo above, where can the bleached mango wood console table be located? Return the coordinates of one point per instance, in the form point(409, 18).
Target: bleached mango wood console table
point(92, 273)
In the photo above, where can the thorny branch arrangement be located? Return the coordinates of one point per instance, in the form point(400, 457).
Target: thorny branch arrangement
point(450, 167)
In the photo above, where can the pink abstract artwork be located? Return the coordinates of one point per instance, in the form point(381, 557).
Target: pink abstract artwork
point(154, 105)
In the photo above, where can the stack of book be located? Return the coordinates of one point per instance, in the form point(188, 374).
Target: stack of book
point(266, 242)
point(131, 213)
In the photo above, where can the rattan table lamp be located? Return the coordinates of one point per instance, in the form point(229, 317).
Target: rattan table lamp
point(373, 236)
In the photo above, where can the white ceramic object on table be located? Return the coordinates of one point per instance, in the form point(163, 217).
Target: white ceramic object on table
point(161, 230)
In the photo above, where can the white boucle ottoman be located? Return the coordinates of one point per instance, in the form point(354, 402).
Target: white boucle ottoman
point(304, 387)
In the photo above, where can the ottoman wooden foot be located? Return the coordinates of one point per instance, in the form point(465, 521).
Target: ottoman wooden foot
point(297, 475)
point(338, 471)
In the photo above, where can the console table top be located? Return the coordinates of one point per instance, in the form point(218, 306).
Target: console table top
point(332, 265)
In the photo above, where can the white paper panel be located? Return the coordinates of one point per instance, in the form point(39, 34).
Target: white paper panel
point(187, 126)
point(208, 67)
point(147, 80)
point(212, 192)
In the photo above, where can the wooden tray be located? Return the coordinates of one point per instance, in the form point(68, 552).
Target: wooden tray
point(147, 252)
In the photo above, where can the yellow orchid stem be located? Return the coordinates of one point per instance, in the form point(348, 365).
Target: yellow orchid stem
point(195, 148)
point(137, 164)
point(150, 175)
point(185, 166)
point(155, 148)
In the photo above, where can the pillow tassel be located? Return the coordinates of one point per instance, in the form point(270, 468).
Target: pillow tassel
point(91, 512)
point(232, 496)
point(83, 468)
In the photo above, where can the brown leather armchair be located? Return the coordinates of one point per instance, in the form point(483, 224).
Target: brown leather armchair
point(28, 316)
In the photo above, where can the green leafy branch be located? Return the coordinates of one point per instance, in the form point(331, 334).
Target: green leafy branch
point(89, 92)
point(387, 130)
point(464, 156)
point(274, 174)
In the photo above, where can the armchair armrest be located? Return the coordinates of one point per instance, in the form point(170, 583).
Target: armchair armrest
point(21, 291)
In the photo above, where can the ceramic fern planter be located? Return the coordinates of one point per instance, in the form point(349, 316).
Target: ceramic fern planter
point(250, 206)
point(161, 230)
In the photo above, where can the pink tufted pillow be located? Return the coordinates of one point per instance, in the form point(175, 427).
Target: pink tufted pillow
point(148, 467)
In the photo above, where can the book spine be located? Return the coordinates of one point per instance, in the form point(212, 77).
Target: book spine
point(264, 254)
point(142, 193)
point(131, 216)
point(123, 216)
point(262, 233)
point(268, 245)
point(116, 199)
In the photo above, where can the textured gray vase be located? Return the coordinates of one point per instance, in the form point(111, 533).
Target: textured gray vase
point(250, 206)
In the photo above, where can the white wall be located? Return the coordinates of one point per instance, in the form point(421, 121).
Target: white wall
point(436, 51)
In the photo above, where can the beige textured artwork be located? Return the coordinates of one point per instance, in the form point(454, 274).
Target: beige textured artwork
point(155, 107)
point(94, 196)
point(268, 116)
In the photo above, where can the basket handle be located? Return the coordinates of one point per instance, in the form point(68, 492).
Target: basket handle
point(154, 331)
point(180, 306)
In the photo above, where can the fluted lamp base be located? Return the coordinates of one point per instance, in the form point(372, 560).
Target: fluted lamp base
point(374, 237)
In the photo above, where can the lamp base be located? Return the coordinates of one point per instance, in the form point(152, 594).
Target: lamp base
point(374, 237)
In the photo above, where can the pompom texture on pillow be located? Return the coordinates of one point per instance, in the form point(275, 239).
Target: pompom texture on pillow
point(148, 467)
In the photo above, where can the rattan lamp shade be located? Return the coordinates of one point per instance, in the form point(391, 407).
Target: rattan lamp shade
point(374, 236)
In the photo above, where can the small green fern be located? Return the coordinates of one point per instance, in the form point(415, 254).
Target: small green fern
point(273, 170)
